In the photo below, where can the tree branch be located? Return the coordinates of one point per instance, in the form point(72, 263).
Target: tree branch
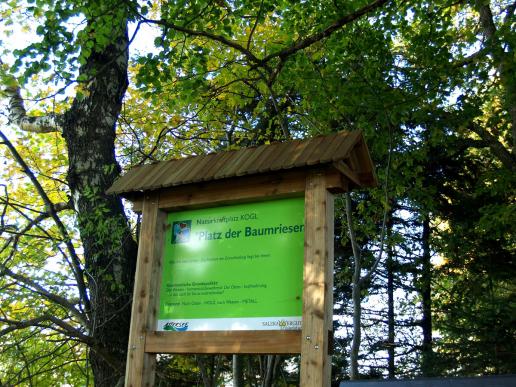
point(259, 14)
point(352, 237)
point(14, 325)
point(504, 61)
point(33, 222)
point(386, 211)
point(45, 293)
point(308, 41)
point(282, 54)
point(501, 153)
point(18, 115)
point(76, 267)
point(471, 59)
point(218, 38)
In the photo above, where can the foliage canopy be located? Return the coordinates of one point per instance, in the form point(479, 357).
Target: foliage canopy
point(431, 83)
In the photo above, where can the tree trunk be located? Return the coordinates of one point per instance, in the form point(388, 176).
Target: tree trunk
point(357, 331)
point(391, 364)
point(238, 371)
point(109, 248)
point(270, 370)
point(209, 372)
point(355, 294)
point(426, 295)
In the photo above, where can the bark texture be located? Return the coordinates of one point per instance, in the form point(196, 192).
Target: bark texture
point(109, 249)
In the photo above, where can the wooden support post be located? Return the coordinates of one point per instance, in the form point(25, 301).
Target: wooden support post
point(140, 366)
point(318, 283)
point(329, 237)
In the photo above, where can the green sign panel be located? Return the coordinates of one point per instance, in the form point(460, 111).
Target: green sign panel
point(237, 267)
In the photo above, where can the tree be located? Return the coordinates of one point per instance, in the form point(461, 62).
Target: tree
point(103, 274)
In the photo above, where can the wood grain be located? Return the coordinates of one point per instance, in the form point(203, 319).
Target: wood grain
point(233, 190)
point(261, 342)
point(243, 189)
point(329, 258)
point(240, 189)
point(346, 171)
point(140, 367)
point(317, 282)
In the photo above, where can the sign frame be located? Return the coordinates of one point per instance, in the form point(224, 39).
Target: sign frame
point(317, 185)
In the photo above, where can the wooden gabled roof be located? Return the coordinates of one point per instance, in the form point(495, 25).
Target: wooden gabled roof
point(345, 151)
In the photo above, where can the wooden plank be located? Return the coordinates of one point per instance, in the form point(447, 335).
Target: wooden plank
point(317, 284)
point(130, 181)
point(311, 155)
point(204, 162)
point(286, 153)
point(334, 187)
point(364, 158)
point(367, 171)
point(268, 160)
point(228, 167)
point(343, 168)
point(330, 222)
point(242, 189)
point(271, 185)
point(140, 366)
point(262, 342)
point(166, 173)
point(255, 155)
point(299, 148)
point(334, 181)
point(330, 148)
point(346, 149)
point(219, 162)
point(233, 190)
point(154, 289)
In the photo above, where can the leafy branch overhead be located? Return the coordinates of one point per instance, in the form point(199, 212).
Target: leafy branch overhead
point(281, 54)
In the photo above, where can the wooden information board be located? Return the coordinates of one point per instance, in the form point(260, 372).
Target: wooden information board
point(312, 183)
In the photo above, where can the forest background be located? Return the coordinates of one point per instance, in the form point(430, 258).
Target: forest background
point(429, 286)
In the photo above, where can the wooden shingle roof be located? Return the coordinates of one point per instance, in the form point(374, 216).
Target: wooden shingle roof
point(346, 151)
